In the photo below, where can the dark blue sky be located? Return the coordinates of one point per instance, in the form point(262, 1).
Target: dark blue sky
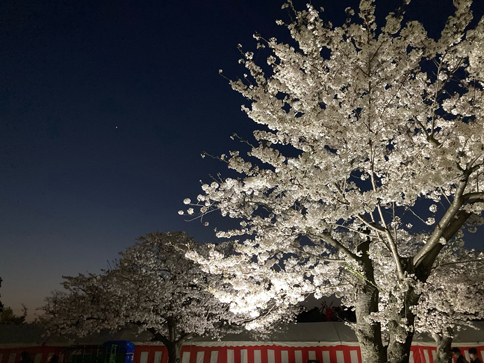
point(105, 108)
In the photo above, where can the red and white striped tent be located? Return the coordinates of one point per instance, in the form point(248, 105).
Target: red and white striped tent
point(301, 343)
point(323, 342)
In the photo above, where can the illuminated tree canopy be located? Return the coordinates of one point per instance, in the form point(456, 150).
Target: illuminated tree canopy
point(152, 287)
point(367, 161)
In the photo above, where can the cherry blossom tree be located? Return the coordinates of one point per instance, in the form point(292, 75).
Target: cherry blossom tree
point(367, 161)
point(153, 287)
point(452, 298)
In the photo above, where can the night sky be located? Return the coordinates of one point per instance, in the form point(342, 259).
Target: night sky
point(105, 108)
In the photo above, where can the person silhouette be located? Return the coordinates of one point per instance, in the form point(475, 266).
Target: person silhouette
point(458, 356)
point(25, 357)
point(474, 356)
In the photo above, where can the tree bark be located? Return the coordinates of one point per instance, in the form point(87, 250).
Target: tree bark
point(444, 344)
point(368, 334)
point(173, 346)
point(174, 349)
point(401, 337)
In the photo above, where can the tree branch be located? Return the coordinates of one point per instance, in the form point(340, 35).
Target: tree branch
point(391, 241)
point(326, 236)
point(371, 225)
point(459, 262)
point(159, 336)
point(447, 224)
point(472, 196)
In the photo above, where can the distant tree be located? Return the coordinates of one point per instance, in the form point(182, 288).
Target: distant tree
point(152, 286)
point(368, 160)
point(8, 317)
point(1, 305)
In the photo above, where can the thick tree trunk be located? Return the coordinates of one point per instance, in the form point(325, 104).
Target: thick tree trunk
point(444, 344)
point(399, 351)
point(174, 350)
point(368, 334)
point(401, 336)
point(400, 343)
point(173, 346)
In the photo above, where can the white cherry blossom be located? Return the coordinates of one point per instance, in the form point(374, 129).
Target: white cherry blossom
point(360, 128)
point(152, 287)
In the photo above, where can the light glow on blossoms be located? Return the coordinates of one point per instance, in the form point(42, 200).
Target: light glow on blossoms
point(361, 127)
point(152, 287)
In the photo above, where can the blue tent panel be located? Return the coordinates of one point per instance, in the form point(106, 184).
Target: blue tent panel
point(119, 351)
